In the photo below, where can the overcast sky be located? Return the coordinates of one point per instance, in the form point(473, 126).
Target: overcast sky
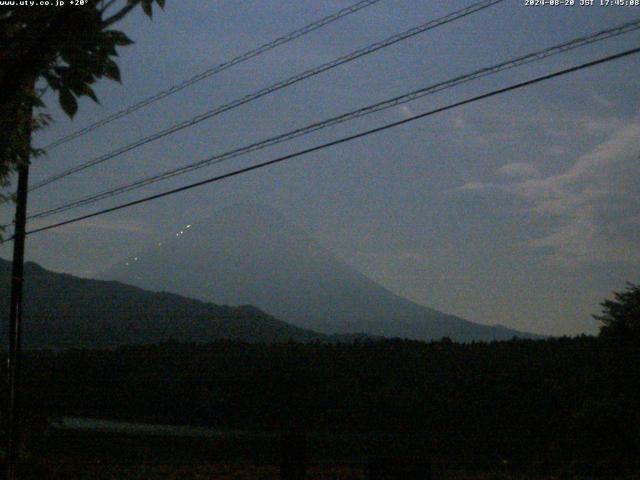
point(522, 209)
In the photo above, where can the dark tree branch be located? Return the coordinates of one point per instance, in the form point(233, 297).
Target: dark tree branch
point(107, 6)
point(120, 15)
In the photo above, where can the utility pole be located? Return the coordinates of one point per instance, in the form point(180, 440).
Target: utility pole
point(15, 312)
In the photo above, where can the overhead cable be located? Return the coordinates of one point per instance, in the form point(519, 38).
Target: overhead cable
point(272, 88)
point(376, 107)
point(337, 142)
point(213, 71)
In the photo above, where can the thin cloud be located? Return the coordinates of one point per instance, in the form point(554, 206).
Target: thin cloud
point(475, 186)
point(602, 100)
point(518, 170)
point(124, 226)
point(595, 203)
point(405, 111)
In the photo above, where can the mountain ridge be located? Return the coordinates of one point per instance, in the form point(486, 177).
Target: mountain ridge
point(249, 253)
point(64, 311)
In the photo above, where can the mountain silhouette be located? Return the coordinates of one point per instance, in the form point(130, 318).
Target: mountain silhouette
point(64, 311)
point(251, 254)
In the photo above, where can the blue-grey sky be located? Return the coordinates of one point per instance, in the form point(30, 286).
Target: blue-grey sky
point(522, 209)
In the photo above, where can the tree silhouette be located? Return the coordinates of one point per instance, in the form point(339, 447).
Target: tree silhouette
point(69, 47)
point(621, 316)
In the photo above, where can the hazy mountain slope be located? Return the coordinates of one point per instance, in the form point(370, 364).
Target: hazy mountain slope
point(252, 254)
point(63, 311)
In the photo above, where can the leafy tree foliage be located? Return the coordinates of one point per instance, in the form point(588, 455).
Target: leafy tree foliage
point(68, 48)
point(621, 317)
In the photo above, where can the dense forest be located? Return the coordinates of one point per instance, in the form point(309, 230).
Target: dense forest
point(555, 405)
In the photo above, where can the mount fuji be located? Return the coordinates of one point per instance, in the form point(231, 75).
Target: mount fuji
point(251, 254)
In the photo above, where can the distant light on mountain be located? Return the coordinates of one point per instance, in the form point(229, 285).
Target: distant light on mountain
point(251, 254)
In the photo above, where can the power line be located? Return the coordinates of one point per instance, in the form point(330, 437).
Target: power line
point(214, 70)
point(376, 107)
point(341, 140)
point(273, 88)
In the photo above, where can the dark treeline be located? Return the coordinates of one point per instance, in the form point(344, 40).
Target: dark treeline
point(544, 404)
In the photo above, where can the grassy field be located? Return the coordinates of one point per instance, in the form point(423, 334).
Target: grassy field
point(78, 454)
point(73, 470)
